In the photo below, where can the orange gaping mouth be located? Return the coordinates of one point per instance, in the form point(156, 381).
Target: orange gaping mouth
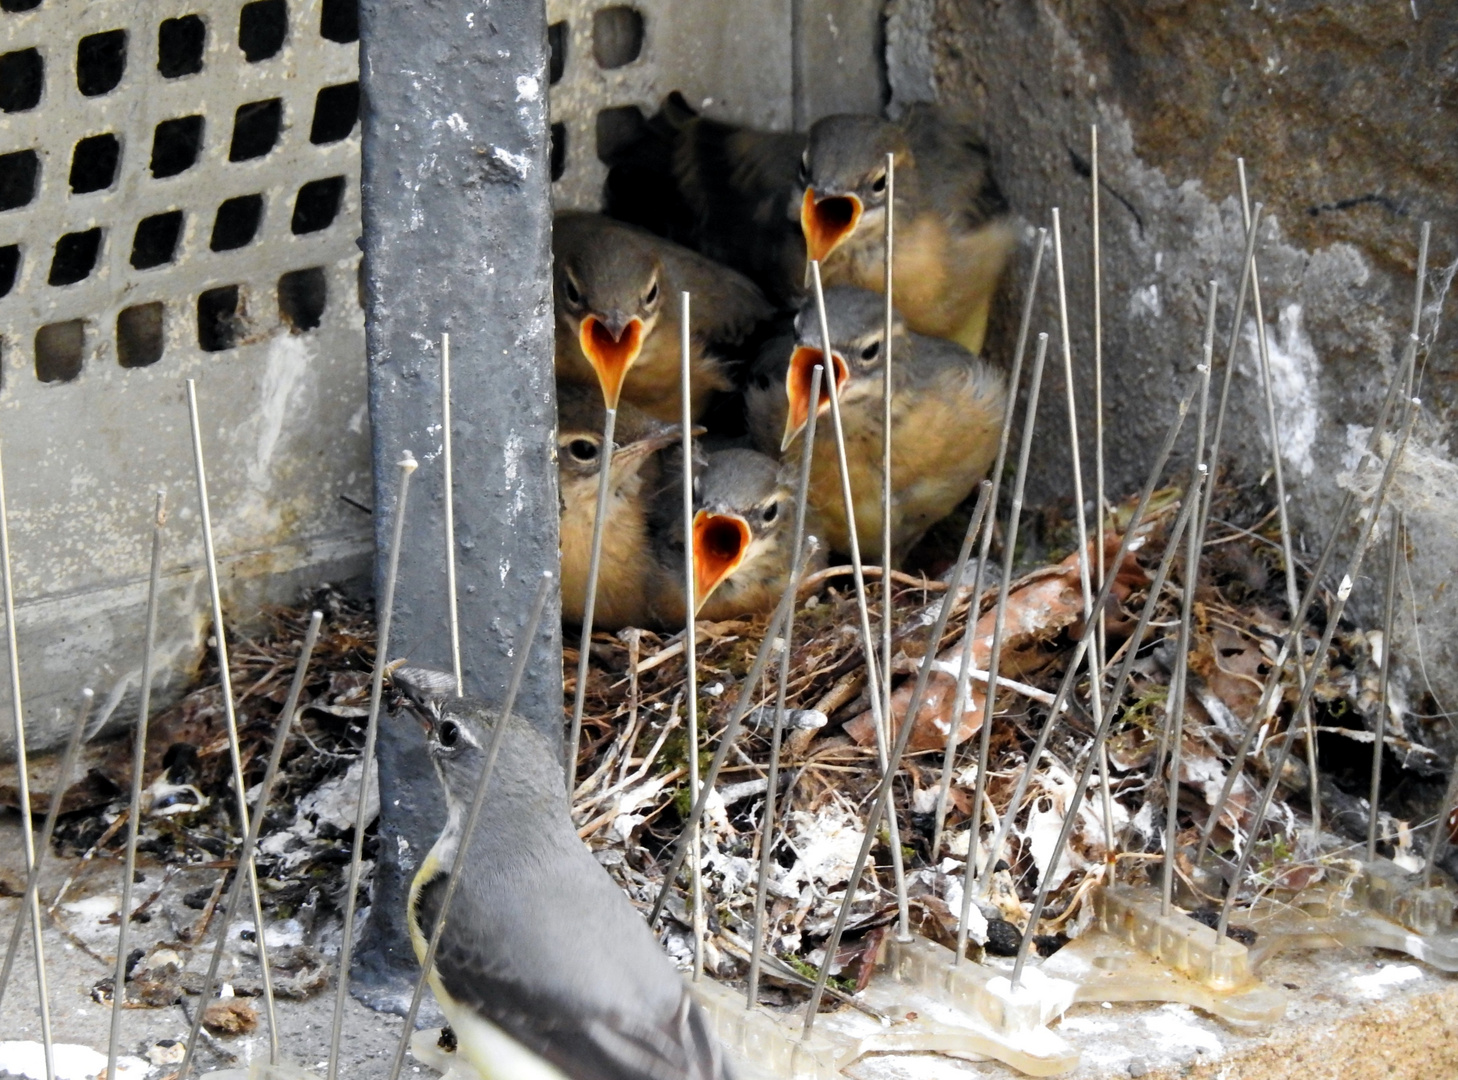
point(720, 543)
point(610, 356)
point(798, 380)
point(828, 221)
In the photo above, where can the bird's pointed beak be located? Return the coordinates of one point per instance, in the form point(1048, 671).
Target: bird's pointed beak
point(827, 221)
point(628, 457)
point(798, 380)
point(611, 353)
point(720, 543)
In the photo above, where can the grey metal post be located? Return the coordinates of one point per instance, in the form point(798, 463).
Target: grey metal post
point(457, 227)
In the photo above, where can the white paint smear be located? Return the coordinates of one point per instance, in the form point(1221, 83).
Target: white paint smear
point(1295, 370)
point(1380, 981)
point(1174, 1028)
point(26, 1058)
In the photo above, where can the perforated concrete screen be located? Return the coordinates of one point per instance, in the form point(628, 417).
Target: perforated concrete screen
point(178, 199)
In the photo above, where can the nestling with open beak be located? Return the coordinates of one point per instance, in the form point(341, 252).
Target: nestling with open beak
point(544, 970)
point(946, 416)
point(616, 291)
point(629, 574)
point(744, 514)
point(953, 231)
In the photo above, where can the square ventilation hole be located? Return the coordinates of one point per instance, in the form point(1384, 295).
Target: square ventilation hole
point(237, 222)
point(176, 144)
point(19, 5)
point(617, 36)
point(22, 77)
point(9, 268)
point(219, 319)
point(302, 295)
point(617, 128)
point(262, 27)
point(101, 60)
point(559, 150)
point(93, 163)
point(335, 111)
point(180, 45)
point(18, 175)
point(139, 335)
point(58, 351)
point(556, 52)
point(155, 241)
point(317, 205)
point(75, 257)
point(255, 129)
point(339, 21)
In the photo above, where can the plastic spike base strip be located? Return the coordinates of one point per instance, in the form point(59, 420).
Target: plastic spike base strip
point(766, 1044)
point(1133, 953)
point(1374, 905)
point(262, 1070)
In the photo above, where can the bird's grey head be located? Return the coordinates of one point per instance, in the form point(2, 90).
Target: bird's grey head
point(843, 181)
point(747, 483)
point(580, 414)
point(456, 728)
point(857, 320)
point(607, 272)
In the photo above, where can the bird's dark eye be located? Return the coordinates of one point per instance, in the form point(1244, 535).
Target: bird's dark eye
point(570, 291)
point(449, 734)
point(878, 185)
point(804, 173)
point(872, 350)
point(771, 512)
point(583, 450)
point(762, 381)
point(651, 296)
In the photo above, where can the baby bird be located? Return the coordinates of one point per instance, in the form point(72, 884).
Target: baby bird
point(953, 232)
point(946, 416)
point(616, 291)
point(629, 574)
point(743, 528)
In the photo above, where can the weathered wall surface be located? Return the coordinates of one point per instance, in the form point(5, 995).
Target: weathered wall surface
point(1347, 116)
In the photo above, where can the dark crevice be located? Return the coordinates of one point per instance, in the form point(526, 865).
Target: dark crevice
point(22, 78)
point(101, 60)
point(237, 222)
point(218, 319)
point(180, 45)
point(559, 150)
point(139, 331)
point(19, 174)
point(176, 144)
point(9, 268)
point(1390, 205)
point(155, 241)
point(557, 52)
point(256, 128)
point(262, 27)
point(339, 21)
point(1084, 169)
point(19, 5)
point(302, 296)
point(93, 163)
point(75, 257)
point(317, 205)
point(617, 36)
point(336, 109)
point(59, 348)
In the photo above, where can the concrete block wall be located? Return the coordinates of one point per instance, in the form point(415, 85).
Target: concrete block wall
point(178, 199)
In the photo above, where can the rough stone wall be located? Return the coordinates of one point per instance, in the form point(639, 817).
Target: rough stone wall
point(1347, 116)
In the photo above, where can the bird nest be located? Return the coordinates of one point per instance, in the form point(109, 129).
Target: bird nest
point(633, 775)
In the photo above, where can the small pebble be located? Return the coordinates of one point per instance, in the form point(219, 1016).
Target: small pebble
point(1137, 1067)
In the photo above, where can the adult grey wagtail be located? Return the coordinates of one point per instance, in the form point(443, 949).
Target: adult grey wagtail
point(544, 971)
